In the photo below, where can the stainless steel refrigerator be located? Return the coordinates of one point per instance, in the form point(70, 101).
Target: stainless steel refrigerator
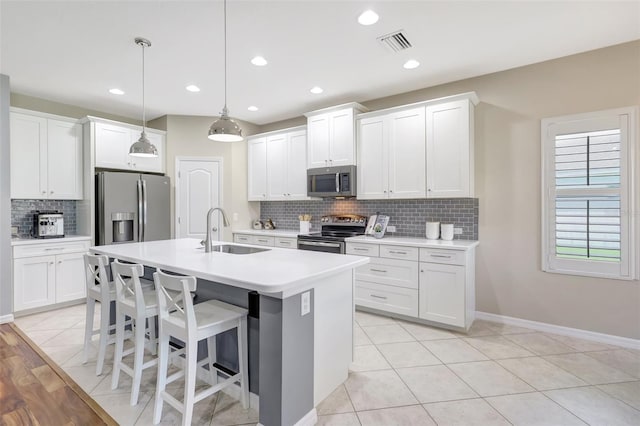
point(132, 207)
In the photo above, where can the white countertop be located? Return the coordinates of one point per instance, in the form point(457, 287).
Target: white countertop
point(65, 239)
point(276, 272)
point(287, 233)
point(415, 242)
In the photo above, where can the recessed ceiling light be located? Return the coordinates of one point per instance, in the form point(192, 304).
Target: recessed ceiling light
point(192, 88)
point(368, 17)
point(411, 64)
point(259, 61)
point(316, 90)
point(253, 108)
point(115, 91)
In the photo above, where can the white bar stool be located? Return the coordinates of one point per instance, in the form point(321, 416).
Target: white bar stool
point(178, 317)
point(140, 306)
point(100, 289)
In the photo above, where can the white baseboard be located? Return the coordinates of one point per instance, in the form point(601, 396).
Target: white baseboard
point(564, 331)
point(309, 419)
point(6, 318)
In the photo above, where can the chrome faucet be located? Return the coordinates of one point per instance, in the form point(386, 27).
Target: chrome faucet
point(208, 243)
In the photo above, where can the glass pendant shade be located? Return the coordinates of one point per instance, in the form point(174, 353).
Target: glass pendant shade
point(224, 129)
point(143, 147)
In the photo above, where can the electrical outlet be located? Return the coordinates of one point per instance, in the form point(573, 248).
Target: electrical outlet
point(235, 217)
point(457, 231)
point(391, 228)
point(305, 303)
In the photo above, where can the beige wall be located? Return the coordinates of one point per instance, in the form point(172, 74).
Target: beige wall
point(509, 280)
point(187, 136)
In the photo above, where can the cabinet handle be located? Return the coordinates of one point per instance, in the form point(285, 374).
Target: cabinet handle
point(385, 191)
point(51, 263)
point(441, 256)
point(422, 271)
point(263, 241)
point(429, 190)
point(44, 192)
point(379, 270)
point(391, 190)
point(59, 261)
point(397, 252)
point(378, 297)
point(360, 249)
point(54, 248)
point(51, 192)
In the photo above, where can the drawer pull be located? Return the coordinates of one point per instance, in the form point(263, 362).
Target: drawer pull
point(360, 249)
point(378, 297)
point(379, 270)
point(397, 252)
point(441, 256)
point(54, 248)
point(263, 241)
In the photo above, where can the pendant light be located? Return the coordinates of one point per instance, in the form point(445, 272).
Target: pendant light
point(143, 147)
point(224, 129)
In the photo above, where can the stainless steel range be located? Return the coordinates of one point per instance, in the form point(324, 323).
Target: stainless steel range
point(335, 228)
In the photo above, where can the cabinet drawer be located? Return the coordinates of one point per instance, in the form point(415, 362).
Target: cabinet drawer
point(363, 249)
point(397, 273)
point(286, 242)
point(262, 241)
point(399, 252)
point(451, 257)
point(46, 249)
point(242, 239)
point(387, 298)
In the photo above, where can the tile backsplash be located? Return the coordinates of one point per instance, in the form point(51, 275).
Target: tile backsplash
point(22, 214)
point(408, 216)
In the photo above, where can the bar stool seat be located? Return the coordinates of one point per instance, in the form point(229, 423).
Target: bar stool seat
point(178, 317)
point(141, 306)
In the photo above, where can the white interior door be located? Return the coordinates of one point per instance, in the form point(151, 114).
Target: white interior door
point(198, 188)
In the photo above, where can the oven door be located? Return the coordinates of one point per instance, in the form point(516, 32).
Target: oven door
point(324, 246)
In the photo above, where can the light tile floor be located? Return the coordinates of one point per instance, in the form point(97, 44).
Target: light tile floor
point(407, 374)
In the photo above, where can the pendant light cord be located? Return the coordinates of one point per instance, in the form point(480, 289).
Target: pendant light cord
point(225, 57)
point(144, 117)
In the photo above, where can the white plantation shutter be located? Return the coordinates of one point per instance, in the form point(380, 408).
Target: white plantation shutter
point(587, 197)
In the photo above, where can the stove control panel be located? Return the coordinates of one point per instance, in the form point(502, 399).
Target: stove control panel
point(346, 219)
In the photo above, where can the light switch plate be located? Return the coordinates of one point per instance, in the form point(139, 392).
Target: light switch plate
point(305, 303)
point(391, 228)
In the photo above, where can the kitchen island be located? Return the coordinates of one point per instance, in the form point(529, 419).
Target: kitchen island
point(300, 316)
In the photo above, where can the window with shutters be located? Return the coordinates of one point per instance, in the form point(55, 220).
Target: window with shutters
point(588, 198)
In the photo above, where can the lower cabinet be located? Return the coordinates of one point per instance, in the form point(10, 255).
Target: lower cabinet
point(432, 284)
point(268, 241)
point(41, 278)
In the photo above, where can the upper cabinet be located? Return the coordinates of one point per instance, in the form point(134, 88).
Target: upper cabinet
point(112, 141)
point(391, 155)
point(450, 149)
point(417, 151)
point(331, 136)
point(46, 157)
point(277, 165)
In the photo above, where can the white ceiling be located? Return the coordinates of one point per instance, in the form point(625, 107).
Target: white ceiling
point(74, 51)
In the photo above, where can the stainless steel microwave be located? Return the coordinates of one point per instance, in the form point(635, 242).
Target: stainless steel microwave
point(329, 182)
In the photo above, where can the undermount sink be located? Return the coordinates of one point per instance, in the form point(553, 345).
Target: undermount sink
point(231, 249)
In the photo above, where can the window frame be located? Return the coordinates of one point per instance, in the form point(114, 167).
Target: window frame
point(626, 120)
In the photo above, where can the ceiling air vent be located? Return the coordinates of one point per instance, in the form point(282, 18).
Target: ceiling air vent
point(396, 41)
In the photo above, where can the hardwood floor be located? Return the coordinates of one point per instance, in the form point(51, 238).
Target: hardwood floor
point(35, 391)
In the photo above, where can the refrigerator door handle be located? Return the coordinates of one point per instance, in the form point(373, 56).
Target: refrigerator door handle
point(144, 208)
point(140, 212)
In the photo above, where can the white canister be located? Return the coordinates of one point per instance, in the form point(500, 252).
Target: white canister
point(305, 226)
point(433, 230)
point(446, 231)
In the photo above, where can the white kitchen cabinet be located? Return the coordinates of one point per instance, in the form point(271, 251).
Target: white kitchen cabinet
point(112, 142)
point(331, 136)
point(450, 171)
point(257, 169)
point(391, 155)
point(447, 286)
point(259, 239)
point(46, 273)
point(277, 166)
point(46, 157)
point(424, 283)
